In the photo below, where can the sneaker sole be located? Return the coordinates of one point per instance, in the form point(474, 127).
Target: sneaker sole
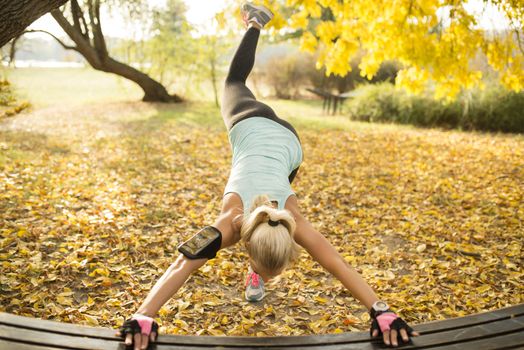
point(263, 9)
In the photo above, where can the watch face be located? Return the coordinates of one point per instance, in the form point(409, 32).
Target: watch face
point(381, 306)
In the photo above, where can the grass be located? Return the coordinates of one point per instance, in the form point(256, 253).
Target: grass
point(45, 87)
point(70, 86)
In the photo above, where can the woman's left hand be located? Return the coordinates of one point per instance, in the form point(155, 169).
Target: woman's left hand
point(390, 325)
point(139, 330)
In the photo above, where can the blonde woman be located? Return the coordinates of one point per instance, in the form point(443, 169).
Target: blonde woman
point(259, 208)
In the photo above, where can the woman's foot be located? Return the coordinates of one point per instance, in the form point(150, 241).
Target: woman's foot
point(258, 16)
point(254, 286)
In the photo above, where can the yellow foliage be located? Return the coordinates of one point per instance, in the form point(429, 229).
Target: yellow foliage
point(433, 50)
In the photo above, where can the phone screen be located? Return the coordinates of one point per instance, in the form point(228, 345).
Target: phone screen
point(200, 240)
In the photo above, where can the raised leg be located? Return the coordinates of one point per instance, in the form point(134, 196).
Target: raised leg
point(238, 102)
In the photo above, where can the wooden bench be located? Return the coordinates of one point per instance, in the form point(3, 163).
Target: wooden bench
point(331, 101)
point(500, 329)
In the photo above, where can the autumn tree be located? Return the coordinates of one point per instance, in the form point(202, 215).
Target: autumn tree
point(180, 54)
point(81, 21)
point(167, 44)
point(434, 40)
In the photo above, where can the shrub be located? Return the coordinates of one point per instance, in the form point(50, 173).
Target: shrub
point(9, 106)
point(492, 109)
point(287, 74)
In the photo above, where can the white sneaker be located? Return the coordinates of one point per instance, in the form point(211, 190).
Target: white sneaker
point(254, 286)
point(259, 14)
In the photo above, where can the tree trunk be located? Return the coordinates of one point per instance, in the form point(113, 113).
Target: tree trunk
point(153, 90)
point(16, 15)
point(97, 56)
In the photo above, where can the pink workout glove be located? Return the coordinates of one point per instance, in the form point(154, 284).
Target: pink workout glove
point(139, 323)
point(388, 320)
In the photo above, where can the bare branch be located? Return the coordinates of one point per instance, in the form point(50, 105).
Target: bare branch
point(67, 47)
point(12, 49)
point(98, 35)
point(83, 45)
point(78, 19)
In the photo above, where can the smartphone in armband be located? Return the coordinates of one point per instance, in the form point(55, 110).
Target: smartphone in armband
point(204, 244)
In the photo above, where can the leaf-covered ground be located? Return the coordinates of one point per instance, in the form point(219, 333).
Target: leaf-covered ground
point(94, 200)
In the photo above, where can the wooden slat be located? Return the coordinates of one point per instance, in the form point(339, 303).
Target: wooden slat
point(489, 316)
point(466, 335)
point(503, 342)
point(55, 340)
point(54, 326)
point(22, 346)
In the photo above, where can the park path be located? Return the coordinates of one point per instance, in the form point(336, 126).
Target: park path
point(78, 120)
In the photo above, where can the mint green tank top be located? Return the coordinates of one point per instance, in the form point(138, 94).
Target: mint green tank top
point(264, 154)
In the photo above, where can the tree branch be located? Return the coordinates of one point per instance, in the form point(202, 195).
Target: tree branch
point(78, 19)
point(67, 47)
point(83, 45)
point(12, 49)
point(98, 35)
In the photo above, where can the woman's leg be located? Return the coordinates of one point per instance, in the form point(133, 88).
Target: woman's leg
point(238, 102)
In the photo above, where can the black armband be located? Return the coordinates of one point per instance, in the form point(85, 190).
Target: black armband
point(203, 245)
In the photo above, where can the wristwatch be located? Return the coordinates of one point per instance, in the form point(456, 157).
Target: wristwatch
point(378, 307)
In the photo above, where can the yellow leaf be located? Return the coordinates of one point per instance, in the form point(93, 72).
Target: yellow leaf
point(224, 320)
point(91, 320)
point(321, 300)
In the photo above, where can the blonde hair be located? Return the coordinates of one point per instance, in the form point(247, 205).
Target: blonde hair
point(271, 247)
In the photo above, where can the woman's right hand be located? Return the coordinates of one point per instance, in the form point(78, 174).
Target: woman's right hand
point(140, 330)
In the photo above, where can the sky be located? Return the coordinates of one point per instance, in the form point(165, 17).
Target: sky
point(202, 11)
point(198, 12)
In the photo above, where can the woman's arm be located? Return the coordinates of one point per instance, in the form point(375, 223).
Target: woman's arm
point(181, 269)
point(175, 276)
point(326, 255)
point(170, 282)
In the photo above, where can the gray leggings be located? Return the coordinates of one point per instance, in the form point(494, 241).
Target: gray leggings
point(238, 102)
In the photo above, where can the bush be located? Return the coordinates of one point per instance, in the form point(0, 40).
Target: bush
point(287, 74)
point(494, 109)
point(287, 71)
point(9, 106)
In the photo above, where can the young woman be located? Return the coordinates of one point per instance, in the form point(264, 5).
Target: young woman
point(259, 208)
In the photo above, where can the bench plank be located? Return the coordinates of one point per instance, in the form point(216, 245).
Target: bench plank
point(55, 326)
point(507, 341)
point(4, 344)
point(474, 319)
point(56, 340)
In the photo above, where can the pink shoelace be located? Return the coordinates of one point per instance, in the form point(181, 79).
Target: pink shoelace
point(253, 276)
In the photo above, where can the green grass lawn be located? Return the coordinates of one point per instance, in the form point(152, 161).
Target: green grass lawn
point(70, 86)
point(47, 87)
point(97, 189)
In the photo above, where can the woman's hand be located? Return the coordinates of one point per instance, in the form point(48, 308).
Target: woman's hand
point(390, 326)
point(140, 329)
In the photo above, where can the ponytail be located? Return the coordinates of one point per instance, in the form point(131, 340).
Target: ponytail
point(271, 245)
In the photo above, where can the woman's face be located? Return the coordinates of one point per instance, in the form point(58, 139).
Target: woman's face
point(265, 274)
